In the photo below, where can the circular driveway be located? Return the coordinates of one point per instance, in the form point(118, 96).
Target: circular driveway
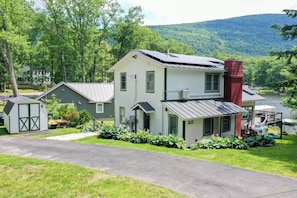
point(192, 177)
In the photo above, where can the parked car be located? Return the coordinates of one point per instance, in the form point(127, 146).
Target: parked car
point(1, 118)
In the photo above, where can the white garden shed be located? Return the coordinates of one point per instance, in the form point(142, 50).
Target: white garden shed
point(25, 114)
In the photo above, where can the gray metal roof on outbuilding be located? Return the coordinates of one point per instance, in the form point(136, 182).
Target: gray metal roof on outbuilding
point(250, 95)
point(193, 109)
point(94, 92)
point(17, 100)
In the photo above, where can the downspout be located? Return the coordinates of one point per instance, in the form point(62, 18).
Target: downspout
point(165, 98)
point(135, 129)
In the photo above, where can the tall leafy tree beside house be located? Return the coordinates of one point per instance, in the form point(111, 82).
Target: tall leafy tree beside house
point(15, 22)
point(288, 32)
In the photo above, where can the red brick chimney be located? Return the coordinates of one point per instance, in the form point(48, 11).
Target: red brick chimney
point(233, 87)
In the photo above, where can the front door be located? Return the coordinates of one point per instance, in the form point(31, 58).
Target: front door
point(146, 121)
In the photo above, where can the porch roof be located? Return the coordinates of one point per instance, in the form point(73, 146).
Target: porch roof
point(144, 106)
point(193, 109)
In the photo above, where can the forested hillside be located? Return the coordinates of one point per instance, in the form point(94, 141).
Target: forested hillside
point(247, 35)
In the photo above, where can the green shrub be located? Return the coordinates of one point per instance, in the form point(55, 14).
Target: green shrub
point(112, 132)
point(83, 117)
point(220, 143)
point(141, 137)
point(259, 140)
point(168, 141)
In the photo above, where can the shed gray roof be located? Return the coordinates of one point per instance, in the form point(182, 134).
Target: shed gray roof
point(17, 100)
point(94, 92)
point(249, 95)
point(193, 109)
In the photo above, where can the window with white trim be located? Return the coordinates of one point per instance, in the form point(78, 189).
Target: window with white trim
point(173, 125)
point(211, 126)
point(150, 81)
point(212, 82)
point(99, 108)
point(122, 115)
point(123, 81)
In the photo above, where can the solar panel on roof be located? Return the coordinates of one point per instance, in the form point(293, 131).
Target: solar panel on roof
point(182, 59)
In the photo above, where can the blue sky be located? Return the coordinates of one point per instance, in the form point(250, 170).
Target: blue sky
point(159, 12)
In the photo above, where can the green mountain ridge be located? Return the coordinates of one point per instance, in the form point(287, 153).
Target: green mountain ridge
point(249, 35)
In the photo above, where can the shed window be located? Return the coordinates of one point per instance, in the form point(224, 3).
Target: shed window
point(123, 81)
point(212, 83)
point(99, 108)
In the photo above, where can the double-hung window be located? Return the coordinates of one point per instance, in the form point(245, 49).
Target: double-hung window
point(226, 123)
point(173, 125)
point(150, 81)
point(211, 126)
point(99, 108)
point(123, 81)
point(122, 115)
point(212, 82)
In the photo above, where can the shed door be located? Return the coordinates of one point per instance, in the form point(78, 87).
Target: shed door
point(29, 117)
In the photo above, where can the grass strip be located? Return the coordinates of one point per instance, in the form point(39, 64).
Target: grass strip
point(27, 177)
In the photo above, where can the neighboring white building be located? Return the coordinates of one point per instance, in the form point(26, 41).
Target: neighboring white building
point(34, 76)
point(187, 96)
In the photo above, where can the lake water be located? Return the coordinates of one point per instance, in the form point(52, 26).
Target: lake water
point(274, 100)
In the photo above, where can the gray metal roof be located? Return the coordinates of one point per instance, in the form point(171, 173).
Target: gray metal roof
point(17, 100)
point(193, 109)
point(249, 95)
point(95, 92)
point(144, 106)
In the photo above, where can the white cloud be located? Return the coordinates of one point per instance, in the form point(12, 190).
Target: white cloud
point(184, 11)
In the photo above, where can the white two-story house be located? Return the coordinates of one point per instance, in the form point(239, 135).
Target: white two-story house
point(187, 96)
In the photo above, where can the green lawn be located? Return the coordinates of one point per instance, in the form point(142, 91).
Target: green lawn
point(9, 91)
point(280, 159)
point(26, 177)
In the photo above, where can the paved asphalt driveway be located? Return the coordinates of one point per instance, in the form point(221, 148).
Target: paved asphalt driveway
point(192, 177)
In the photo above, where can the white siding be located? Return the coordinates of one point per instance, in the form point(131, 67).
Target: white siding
point(136, 91)
point(14, 120)
point(43, 118)
point(194, 131)
point(193, 80)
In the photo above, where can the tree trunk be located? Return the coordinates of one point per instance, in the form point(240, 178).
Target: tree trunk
point(7, 57)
